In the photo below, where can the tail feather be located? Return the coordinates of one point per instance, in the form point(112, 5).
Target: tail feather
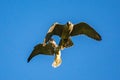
point(65, 43)
point(69, 43)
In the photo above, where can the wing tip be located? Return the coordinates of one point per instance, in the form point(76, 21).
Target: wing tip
point(28, 60)
point(98, 38)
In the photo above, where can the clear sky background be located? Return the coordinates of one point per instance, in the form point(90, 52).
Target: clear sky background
point(24, 23)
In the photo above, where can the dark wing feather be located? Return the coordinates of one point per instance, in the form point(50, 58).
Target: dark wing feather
point(84, 28)
point(40, 49)
point(55, 29)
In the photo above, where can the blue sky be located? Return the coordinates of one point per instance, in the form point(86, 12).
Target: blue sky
point(24, 23)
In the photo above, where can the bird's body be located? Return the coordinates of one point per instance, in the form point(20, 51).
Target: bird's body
point(65, 32)
point(68, 30)
point(65, 36)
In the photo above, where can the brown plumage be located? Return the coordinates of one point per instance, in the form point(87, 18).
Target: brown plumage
point(68, 30)
point(49, 49)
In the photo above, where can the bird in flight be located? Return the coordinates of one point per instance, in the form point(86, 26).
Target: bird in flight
point(49, 49)
point(65, 32)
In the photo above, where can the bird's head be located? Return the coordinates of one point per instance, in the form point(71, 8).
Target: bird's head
point(69, 26)
point(69, 23)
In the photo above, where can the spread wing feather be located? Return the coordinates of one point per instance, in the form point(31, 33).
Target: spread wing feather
point(55, 29)
point(84, 28)
point(40, 49)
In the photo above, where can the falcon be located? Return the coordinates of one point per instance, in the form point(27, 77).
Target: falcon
point(68, 30)
point(49, 49)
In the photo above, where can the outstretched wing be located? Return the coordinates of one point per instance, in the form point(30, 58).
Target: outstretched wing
point(55, 29)
point(40, 49)
point(84, 28)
